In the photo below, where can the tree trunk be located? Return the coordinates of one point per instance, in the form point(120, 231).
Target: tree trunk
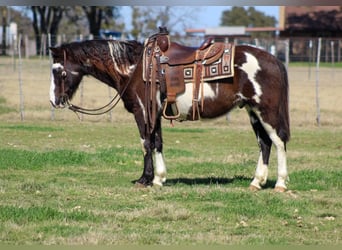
point(49, 19)
point(94, 15)
point(4, 30)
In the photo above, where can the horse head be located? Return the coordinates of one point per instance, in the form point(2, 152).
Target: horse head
point(66, 76)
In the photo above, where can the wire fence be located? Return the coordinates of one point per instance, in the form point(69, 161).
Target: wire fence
point(301, 49)
point(25, 74)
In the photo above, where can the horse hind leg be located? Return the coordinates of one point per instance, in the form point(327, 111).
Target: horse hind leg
point(280, 145)
point(265, 144)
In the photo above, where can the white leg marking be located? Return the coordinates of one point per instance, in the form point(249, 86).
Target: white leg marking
point(160, 171)
point(251, 67)
point(281, 154)
point(261, 174)
point(282, 164)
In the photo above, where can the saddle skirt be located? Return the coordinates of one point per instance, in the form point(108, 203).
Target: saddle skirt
point(173, 65)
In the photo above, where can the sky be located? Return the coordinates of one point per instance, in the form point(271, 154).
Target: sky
point(207, 16)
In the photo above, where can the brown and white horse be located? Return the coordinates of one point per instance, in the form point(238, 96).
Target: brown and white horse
point(260, 85)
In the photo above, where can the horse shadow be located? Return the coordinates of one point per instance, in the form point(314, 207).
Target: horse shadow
point(242, 181)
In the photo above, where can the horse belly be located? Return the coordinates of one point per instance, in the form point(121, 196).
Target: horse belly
point(210, 95)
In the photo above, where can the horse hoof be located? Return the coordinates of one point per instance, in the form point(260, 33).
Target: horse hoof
point(157, 187)
point(139, 185)
point(279, 189)
point(253, 188)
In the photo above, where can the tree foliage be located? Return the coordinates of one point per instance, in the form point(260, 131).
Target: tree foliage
point(147, 19)
point(250, 17)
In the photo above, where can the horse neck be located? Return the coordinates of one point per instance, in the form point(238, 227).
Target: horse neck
point(111, 70)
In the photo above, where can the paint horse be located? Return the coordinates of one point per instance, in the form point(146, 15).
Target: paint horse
point(259, 84)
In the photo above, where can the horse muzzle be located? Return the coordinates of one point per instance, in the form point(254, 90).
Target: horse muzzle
point(60, 103)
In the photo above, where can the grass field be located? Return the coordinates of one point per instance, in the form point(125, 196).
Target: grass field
point(69, 182)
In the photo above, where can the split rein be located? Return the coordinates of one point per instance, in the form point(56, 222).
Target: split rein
point(97, 111)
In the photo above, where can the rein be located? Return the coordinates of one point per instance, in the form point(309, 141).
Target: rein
point(96, 111)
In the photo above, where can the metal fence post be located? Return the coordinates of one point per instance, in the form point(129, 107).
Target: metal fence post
point(21, 97)
point(318, 117)
point(50, 61)
point(287, 53)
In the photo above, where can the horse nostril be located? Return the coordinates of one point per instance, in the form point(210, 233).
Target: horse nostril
point(63, 99)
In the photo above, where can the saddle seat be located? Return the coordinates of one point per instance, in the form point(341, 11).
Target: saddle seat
point(182, 55)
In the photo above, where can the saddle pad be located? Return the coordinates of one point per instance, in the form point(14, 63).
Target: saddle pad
point(222, 68)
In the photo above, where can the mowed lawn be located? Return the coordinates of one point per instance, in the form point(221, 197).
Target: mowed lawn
point(71, 182)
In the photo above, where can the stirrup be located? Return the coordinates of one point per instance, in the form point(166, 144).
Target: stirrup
point(171, 117)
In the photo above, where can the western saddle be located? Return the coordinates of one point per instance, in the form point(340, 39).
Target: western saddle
point(173, 65)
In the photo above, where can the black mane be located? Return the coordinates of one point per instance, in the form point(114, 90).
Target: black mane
point(127, 52)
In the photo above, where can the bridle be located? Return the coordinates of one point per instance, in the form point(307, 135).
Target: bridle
point(96, 111)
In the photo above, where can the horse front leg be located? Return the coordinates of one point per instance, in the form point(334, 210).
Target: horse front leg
point(160, 171)
point(147, 176)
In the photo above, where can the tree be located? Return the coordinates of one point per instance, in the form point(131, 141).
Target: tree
point(46, 20)
point(4, 29)
point(147, 19)
point(97, 15)
point(250, 17)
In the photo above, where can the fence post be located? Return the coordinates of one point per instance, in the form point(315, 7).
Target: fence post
point(332, 44)
point(110, 98)
point(81, 98)
point(14, 52)
point(21, 97)
point(50, 61)
point(318, 117)
point(310, 58)
point(287, 53)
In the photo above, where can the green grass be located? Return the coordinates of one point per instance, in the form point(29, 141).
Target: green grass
point(3, 107)
point(71, 183)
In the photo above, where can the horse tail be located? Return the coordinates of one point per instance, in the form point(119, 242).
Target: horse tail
point(283, 109)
